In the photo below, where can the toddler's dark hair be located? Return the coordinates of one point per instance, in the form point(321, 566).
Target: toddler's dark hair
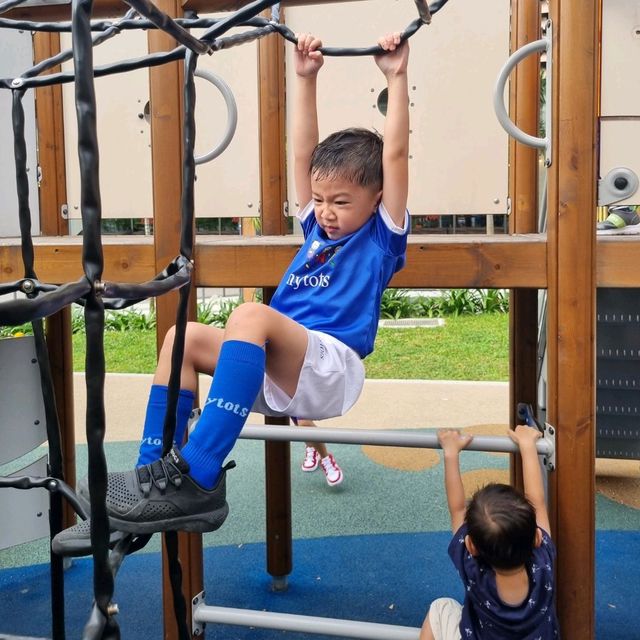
point(502, 525)
point(353, 154)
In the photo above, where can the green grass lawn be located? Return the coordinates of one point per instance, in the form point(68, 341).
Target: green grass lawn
point(465, 348)
point(470, 347)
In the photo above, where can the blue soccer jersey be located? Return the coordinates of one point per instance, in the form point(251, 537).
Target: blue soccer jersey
point(335, 286)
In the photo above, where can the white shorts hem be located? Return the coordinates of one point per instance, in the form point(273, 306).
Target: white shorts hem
point(331, 380)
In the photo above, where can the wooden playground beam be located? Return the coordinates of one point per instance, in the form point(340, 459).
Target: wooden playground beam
point(432, 261)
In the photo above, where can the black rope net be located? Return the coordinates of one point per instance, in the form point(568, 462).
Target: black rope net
point(90, 290)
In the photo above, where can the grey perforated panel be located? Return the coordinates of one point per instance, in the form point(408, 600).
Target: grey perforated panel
point(618, 374)
point(22, 422)
point(25, 510)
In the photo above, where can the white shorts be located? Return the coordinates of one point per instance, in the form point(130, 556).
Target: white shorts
point(330, 382)
point(444, 617)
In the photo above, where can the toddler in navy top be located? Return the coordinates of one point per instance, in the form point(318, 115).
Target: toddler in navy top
point(503, 552)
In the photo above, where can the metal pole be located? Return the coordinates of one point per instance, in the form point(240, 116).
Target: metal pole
point(392, 438)
point(303, 624)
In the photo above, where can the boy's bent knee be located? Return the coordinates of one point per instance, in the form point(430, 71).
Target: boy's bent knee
point(249, 309)
point(170, 336)
point(251, 314)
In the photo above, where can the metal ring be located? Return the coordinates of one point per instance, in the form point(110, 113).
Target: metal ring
point(544, 44)
point(498, 94)
point(232, 114)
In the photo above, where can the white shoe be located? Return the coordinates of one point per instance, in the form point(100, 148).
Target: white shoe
point(332, 471)
point(311, 460)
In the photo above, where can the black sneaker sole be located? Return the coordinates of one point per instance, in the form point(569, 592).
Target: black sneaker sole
point(196, 523)
point(67, 545)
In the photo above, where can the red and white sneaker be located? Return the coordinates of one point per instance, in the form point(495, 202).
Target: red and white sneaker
point(332, 471)
point(311, 460)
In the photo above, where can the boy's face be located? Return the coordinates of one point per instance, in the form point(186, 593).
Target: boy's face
point(342, 207)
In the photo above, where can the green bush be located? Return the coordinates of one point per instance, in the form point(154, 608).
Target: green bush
point(129, 320)
point(216, 314)
point(123, 320)
point(398, 303)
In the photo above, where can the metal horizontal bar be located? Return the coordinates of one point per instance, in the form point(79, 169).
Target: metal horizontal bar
point(387, 438)
point(303, 624)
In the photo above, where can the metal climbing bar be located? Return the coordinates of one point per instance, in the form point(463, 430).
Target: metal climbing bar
point(388, 438)
point(301, 624)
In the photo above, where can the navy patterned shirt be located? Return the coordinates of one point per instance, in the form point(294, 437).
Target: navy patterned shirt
point(486, 617)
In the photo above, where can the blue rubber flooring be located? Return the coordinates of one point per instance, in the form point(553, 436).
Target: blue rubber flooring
point(377, 578)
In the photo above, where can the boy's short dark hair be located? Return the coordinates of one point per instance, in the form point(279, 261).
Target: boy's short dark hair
point(502, 525)
point(353, 154)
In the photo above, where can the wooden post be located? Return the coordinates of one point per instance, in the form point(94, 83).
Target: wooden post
point(523, 193)
point(571, 272)
point(273, 187)
point(271, 105)
point(166, 87)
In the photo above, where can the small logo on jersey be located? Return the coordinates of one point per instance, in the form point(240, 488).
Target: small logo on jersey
point(315, 257)
point(315, 245)
point(320, 281)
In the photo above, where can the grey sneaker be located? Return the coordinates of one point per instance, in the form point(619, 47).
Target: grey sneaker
point(619, 217)
point(161, 497)
point(76, 540)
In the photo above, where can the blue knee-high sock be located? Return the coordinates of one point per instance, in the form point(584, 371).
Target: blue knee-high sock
point(236, 383)
point(151, 443)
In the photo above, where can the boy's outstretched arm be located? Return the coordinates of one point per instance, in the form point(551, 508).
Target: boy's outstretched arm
point(525, 437)
point(395, 154)
point(308, 61)
point(452, 442)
